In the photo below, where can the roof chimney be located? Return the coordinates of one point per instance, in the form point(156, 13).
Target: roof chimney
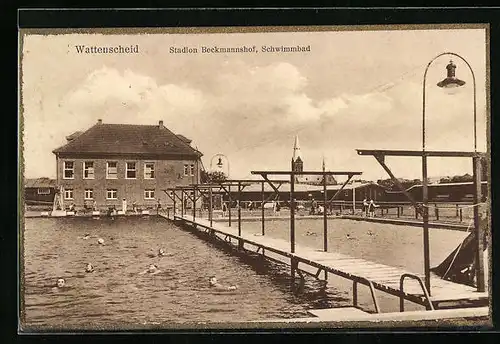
point(99, 121)
point(160, 123)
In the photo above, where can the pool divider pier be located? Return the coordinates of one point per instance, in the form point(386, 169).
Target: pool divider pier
point(377, 277)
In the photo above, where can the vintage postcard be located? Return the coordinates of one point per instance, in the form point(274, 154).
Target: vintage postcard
point(254, 177)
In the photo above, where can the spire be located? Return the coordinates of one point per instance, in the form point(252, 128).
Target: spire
point(296, 148)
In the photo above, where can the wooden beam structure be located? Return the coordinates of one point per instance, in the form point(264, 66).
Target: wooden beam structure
point(476, 157)
point(293, 174)
point(420, 153)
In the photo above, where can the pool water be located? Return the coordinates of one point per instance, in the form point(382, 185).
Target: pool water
point(117, 296)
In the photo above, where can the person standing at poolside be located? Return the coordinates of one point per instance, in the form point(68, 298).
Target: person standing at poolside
point(224, 209)
point(158, 206)
point(124, 206)
point(365, 207)
point(371, 208)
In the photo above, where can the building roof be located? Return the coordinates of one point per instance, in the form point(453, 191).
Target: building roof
point(438, 185)
point(296, 149)
point(305, 187)
point(129, 139)
point(40, 183)
point(184, 138)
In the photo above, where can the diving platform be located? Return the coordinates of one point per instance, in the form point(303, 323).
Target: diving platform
point(391, 280)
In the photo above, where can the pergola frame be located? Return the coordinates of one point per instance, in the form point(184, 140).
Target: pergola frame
point(423, 207)
point(292, 175)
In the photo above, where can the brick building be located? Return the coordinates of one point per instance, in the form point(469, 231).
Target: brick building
point(39, 191)
point(109, 163)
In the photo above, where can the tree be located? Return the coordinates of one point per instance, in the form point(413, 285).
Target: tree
point(213, 177)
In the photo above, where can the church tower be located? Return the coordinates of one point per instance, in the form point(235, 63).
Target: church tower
point(298, 164)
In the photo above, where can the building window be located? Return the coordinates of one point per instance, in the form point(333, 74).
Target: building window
point(69, 170)
point(130, 172)
point(186, 170)
point(68, 194)
point(149, 194)
point(88, 170)
point(43, 191)
point(191, 169)
point(111, 194)
point(149, 170)
point(89, 194)
point(112, 170)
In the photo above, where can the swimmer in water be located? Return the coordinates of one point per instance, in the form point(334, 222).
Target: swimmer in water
point(61, 283)
point(309, 233)
point(160, 253)
point(214, 284)
point(348, 236)
point(89, 268)
point(100, 241)
point(370, 233)
point(152, 270)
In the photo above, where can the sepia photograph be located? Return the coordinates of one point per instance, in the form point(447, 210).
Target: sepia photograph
point(254, 177)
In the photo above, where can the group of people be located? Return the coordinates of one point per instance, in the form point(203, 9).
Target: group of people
point(111, 211)
point(316, 209)
point(369, 208)
point(251, 206)
point(153, 269)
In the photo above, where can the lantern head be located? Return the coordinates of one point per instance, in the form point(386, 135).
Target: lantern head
point(451, 81)
point(219, 163)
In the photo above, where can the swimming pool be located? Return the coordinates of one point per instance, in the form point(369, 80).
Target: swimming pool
point(117, 296)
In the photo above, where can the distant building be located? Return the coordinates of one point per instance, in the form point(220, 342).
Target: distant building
point(297, 163)
point(442, 192)
point(305, 192)
point(39, 191)
point(298, 166)
point(109, 163)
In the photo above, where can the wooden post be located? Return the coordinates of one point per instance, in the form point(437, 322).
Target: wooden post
point(229, 203)
point(425, 198)
point(292, 213)
point(353, 200)
point(456, 211)
point(182, 201)
point(239, 209)
point(355, 293)
point(293, 266)
point(461, 215)
point(476, 166)
point(210, 212)
point(262, 206)
point(325, 221)
point(398, 210)
point(194, 204)
point(173, 198)
point(436, 211)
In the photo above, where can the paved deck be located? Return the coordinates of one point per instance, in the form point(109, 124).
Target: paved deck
point(383, 277)
point(352, 314)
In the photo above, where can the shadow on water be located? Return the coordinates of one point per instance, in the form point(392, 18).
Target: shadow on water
point(307, 290)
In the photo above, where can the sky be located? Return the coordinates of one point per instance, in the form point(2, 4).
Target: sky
point(352, 90)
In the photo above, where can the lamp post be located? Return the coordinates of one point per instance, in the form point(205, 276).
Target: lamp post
point(220, 164)
point(449, 82)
